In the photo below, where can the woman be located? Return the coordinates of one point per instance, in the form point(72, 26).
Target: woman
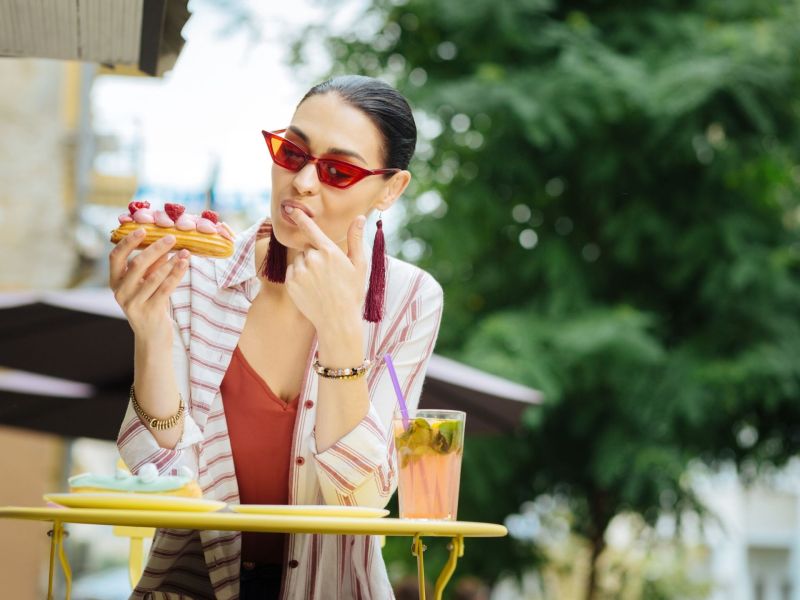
point(254, 343)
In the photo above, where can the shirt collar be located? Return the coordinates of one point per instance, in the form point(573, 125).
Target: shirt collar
point(241, 266)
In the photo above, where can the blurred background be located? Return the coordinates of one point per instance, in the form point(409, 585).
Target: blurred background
point(607, 191)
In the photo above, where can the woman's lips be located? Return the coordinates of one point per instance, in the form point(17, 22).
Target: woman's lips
point(294, 206)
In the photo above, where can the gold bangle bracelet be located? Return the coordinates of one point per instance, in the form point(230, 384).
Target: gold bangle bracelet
point(159, 424)
point(348, 373)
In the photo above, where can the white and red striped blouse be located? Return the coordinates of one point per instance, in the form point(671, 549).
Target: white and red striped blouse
point(209, 309)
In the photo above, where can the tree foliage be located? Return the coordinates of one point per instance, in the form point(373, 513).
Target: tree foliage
point(608, 193)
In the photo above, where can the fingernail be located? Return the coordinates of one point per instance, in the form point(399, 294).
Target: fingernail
point(169, 239)
point(139, 232)
point(289, 209)
point(184, 253)
point(361, 221)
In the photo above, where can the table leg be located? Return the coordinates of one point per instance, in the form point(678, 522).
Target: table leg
point(418, 550)
point(57, 535)
point(62, 556)
point(52, 536)
point(135, 562)
point(456, 547)
point(136, 557)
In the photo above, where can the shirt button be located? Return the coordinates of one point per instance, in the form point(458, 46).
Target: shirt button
point(309, 404)
point(293, 564)
point(300, 460)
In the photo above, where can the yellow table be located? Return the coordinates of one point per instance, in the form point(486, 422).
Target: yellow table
point(230, 521)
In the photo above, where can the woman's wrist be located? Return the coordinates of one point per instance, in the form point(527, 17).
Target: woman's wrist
point(341, 343)
point(154, 339)
point(152, 353)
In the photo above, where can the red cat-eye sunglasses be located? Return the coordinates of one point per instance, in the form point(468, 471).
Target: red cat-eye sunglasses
point(336, 173)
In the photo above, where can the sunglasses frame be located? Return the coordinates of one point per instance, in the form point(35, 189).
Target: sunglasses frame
point(360, 172)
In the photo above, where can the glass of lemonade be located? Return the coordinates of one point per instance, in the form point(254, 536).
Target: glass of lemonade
point(429, 463)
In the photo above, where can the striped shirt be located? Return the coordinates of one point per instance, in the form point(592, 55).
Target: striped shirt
point(209, 309)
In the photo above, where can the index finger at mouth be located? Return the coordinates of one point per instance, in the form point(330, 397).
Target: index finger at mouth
point(309, 227)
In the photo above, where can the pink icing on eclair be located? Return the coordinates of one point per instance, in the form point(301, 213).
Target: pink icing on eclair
point(225, 231)
point(184, 223)
point(144, 215)
point(175, 215)
point(162, 219)
point(206, 226)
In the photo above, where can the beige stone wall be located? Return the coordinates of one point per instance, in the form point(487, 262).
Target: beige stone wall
point(30, 465)
point(35, 153)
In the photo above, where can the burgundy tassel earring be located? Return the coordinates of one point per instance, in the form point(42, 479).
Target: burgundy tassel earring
point(373, 306)
point(275, 269)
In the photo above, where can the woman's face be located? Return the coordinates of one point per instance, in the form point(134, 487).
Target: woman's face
point(326, 126)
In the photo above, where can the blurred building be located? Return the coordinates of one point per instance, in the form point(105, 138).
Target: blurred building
point(755, 543)
point(47, 175)
point(53, 51)
point(39, 121)
point(44, 136)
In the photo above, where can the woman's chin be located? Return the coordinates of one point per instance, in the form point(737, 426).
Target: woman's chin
point(285, 236)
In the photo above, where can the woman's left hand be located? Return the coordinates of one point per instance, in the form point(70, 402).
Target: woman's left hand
point(325, 284)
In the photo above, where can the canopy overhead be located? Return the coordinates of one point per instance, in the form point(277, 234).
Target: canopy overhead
point(145, 34)
point(66, 363)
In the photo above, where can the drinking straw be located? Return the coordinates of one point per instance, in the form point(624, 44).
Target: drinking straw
point(398, 392)
point(401, 401)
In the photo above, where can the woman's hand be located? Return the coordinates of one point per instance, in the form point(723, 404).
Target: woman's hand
point(142, 286)
point(324, 283)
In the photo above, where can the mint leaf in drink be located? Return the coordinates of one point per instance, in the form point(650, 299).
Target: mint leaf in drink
point(411, 434)
point(419, 433)
point(449, 434)
point(441, 443)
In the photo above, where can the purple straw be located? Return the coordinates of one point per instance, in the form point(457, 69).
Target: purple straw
point(400, 400)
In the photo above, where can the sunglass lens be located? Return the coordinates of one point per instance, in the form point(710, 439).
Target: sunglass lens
point(339, 174)
point(286, 154)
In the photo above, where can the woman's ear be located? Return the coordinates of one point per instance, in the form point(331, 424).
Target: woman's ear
point(393, 189)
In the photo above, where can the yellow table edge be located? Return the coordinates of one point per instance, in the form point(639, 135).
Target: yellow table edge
point(230, 521)
point(223, 520)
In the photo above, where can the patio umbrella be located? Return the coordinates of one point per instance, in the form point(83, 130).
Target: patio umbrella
point(68, 360)
point(79, 335)
point(58, 406)
point(492, 404)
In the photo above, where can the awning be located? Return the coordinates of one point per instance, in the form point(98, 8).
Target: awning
point(66, 361)
point(141, 33)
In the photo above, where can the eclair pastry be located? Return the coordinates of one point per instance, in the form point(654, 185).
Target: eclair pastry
point(202, 235)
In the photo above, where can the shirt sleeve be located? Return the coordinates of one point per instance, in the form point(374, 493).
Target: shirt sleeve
point(359, 469)
point(137, 445)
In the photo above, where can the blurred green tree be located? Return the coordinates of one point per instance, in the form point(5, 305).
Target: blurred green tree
point(607, 192)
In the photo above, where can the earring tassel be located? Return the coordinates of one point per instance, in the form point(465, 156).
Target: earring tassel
point(275, 270)
point(373, 306)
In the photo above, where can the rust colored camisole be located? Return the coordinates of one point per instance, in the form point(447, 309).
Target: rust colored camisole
point(260, 427)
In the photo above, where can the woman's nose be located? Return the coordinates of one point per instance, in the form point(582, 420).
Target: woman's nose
point(306, 181)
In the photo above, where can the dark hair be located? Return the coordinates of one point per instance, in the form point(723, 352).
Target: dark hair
point(386, 108)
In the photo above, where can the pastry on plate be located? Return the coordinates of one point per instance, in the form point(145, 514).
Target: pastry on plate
point(148, 481)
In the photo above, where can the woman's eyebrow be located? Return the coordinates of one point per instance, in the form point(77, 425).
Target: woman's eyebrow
point(299, 133)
